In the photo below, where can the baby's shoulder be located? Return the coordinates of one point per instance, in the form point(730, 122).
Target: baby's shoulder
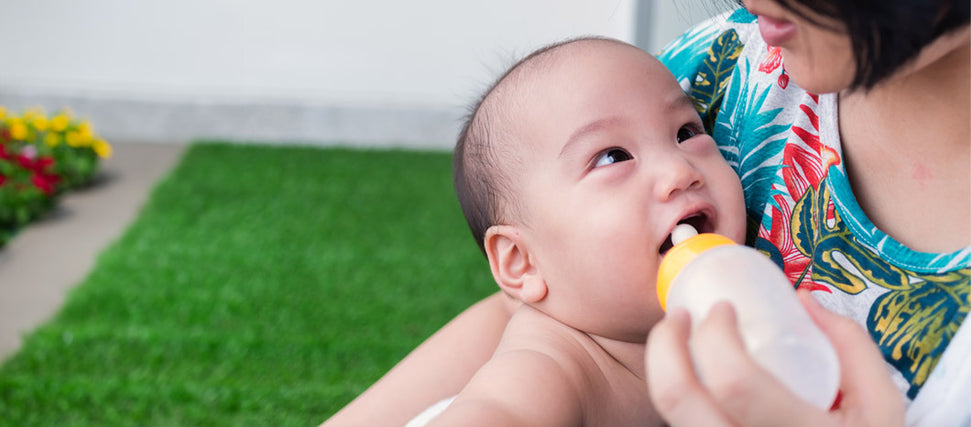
point(531, 332)
point(551, 357)
point(524, 385)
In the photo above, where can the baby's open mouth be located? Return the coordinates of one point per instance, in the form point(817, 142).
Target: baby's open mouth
point(698, 220)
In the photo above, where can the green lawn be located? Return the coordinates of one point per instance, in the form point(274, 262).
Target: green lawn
point(261, 286)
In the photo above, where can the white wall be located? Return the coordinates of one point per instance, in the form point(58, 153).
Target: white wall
point(660, 21)
point(376, 72)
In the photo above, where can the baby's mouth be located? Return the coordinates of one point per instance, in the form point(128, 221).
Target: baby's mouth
point(698, 220)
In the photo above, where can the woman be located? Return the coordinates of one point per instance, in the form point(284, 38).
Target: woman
point(841, 185)
point(863, 196)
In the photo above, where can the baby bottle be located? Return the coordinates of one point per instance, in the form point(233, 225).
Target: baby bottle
point(703, 269)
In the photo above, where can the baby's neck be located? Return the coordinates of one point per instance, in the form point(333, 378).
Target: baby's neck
point(630, 355)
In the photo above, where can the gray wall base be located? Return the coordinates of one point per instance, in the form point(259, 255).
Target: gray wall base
point(259, 121)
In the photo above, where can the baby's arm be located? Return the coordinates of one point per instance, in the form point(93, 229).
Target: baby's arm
point(517, 388)
point(437, 369)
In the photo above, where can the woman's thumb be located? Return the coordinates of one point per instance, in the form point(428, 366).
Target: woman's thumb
point(865, 382)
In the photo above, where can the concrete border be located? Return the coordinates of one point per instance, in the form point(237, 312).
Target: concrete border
point(125, 117)
point(53, 254)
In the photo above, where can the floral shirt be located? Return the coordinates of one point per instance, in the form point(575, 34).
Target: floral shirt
point(784, 144)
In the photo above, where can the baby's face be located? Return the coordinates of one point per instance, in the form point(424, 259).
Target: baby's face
point(614, 156)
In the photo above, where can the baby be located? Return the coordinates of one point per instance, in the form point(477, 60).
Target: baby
point(572, 171)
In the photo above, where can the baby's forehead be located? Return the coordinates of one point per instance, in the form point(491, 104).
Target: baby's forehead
point(572, 54)
point(556, 71)
point(521, 100)
point(603, 59)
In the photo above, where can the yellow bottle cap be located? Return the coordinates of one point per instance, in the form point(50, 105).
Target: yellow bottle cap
point(680, 255)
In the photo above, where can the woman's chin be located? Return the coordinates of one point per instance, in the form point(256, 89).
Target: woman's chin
point(820, 80)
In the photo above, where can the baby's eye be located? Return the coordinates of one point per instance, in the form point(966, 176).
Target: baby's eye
point(686, 132)
point(611, 156)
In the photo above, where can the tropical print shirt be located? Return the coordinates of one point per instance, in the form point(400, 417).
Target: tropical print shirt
point(784, 144)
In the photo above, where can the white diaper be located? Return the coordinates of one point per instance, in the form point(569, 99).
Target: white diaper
point(429, 414)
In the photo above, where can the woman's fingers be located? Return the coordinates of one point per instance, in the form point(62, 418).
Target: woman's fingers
point(746, 392)
point(869, 396)
point(736, 391)
point(675, 390)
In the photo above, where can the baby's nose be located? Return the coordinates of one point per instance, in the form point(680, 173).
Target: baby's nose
point(678, 175)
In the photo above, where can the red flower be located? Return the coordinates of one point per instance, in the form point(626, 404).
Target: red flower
point(772, 61)
point(25, 162)
point(794, 262)
point(805, 166)
point(43, 163)
point(38, 165)
point(41, 177)
point(45, 183)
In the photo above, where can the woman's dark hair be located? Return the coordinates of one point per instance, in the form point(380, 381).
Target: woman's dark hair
point(886, 34)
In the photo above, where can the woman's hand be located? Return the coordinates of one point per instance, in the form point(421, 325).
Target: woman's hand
point(737, 392)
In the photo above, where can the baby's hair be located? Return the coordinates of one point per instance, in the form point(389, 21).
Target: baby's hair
point(483, 187)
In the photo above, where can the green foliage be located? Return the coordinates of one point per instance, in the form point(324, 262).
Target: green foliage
point(708, 86)
point(263, 286)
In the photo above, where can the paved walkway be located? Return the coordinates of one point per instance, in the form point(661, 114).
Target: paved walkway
point(50, 256)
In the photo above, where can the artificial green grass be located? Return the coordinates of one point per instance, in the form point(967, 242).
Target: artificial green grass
point(260, 285)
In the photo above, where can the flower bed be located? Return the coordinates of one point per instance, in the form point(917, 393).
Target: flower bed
point(42, 156)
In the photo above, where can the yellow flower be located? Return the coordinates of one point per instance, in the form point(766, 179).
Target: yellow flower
point(33, 113)
point(101, 148)
point(59, 123)
point(3, 112)
point(18, 130)
point(74, 139)
point(40, 123)
point(85, 129)
point(52, 139)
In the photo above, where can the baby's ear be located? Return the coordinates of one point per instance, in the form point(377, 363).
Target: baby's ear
point(512, 266)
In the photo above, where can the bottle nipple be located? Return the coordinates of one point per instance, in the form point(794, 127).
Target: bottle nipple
point(682, 232)
point(688, 244)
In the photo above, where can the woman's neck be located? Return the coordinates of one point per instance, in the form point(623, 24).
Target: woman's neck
point(907, 147)
point(928, 97)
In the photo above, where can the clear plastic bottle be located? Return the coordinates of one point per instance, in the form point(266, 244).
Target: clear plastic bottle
point(703, 269)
